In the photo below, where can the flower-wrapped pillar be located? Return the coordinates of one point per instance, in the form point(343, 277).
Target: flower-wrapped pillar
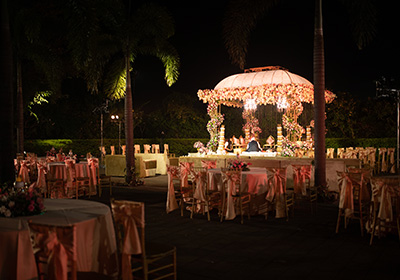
point(212, 126)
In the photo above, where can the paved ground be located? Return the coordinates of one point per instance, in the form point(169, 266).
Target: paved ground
point(305, 247)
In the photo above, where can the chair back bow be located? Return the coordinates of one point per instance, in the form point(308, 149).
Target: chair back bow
point(385, 189)
point(186, 170)
point(24, 171)
point(94, 167)
point(42, 171)
point(57, 244)
point(276, 182)
point(209, 164)
point(231, 178)
point(173, 173)
point(130, 215)
point(200, 178)
point(300, 174)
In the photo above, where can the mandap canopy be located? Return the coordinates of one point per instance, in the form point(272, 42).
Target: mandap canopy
point(260, 86)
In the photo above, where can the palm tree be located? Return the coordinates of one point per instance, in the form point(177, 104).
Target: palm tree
point(108, 57)
point(241, 18)
point(6, 93)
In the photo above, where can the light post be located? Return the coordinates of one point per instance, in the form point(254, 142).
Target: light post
point(115, 118)
point(102, 109)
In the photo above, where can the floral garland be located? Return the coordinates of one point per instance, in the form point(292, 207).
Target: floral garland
point(251, 122)
point(294, 129)
point(212, 126)
point(263, 94)
point(289, 147)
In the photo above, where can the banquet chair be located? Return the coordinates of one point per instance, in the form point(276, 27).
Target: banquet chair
point(201, 195)
point(81, 184)
point(303, 190)
point(146, 148)
point(233, 190)
point(354, 199)
point(166, 149)
point(153, 260)
point(186, 189)
point(278, 194)
point(386, 206)
point(174, 188)
point(155, 148)
point(50, 261)
point(137, 148)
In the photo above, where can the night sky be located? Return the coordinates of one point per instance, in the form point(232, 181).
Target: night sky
point(284, 37)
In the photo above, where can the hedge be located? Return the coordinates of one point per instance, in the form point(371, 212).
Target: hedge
point(177, 146)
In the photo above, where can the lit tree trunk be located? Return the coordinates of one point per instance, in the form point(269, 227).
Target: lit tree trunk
point(7, 173)
point(319, 97)
point(20, 110)
point(130, 156)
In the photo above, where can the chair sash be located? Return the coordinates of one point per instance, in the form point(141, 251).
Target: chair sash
point(346, 192)
point(155, 148)
point(277, 189)
point(173, 173)
point(24, 171)
point(300, 174)
point(137, 149)
point(186, 170)
point(384, 190)
point(124, 150)
point(70, 163)
point(56, 244)
point(93, 167)
point(146, 148)
point(166, 149)
point(340, 152)
point(330, 152)
point(42, 171)
point(371, 155)
point(230, 179)
point(209, 164)
point(200, 177)
point(112, 148)
point(131, 216)
point(382, 155)
point(390, 157)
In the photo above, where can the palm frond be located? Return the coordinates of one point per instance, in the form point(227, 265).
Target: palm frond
point(239, 20)
point(114, 81)
point(363, 20)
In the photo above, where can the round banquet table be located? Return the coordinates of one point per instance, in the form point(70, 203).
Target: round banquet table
point(96, 243)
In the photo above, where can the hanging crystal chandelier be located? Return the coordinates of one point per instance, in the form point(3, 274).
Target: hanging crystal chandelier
point(250, 104)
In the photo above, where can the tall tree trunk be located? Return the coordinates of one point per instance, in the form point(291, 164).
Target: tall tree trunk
point(130, 156)
point(319, 97)
point(7, 173)
point(20, 110)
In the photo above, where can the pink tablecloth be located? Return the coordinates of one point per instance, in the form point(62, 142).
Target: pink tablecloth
point(96, 243)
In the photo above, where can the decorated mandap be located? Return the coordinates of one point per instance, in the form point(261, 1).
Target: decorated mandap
point(261, 86)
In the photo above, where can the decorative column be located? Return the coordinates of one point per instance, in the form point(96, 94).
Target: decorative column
point(279, 139)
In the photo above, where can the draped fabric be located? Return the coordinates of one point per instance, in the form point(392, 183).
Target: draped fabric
point(93, 167)
point(186, 170)
point(330, 152)
point(382, 155)
point(24, 171)
point(340, 152)
point(166, 149)
point(70, 163)
point(200, 177)
point(137, 149)
point(390, 157)
point(41, 179)
point(346, 193)
point(146, 148)
point(57, 244)
point(383, 190)
point(123, 147)
point(300, 174)
point(155, 148)
point(173, 173)
point(277, 189)
point(371, 155)
point(209, 164)
point(112, 148)
point(231, 179)
point(131, 216)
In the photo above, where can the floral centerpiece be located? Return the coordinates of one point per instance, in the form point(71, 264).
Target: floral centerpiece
point(200, 147)
point(20, 202)
point(239, 165)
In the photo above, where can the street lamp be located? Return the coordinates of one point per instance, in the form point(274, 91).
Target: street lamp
point(115, 118)
point(103, 108)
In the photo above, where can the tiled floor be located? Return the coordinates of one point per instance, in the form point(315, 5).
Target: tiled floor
point(305, 247)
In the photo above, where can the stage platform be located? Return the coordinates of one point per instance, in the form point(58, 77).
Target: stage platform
point(332, 165)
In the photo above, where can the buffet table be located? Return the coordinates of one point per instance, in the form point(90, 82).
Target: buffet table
point(96, 243)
